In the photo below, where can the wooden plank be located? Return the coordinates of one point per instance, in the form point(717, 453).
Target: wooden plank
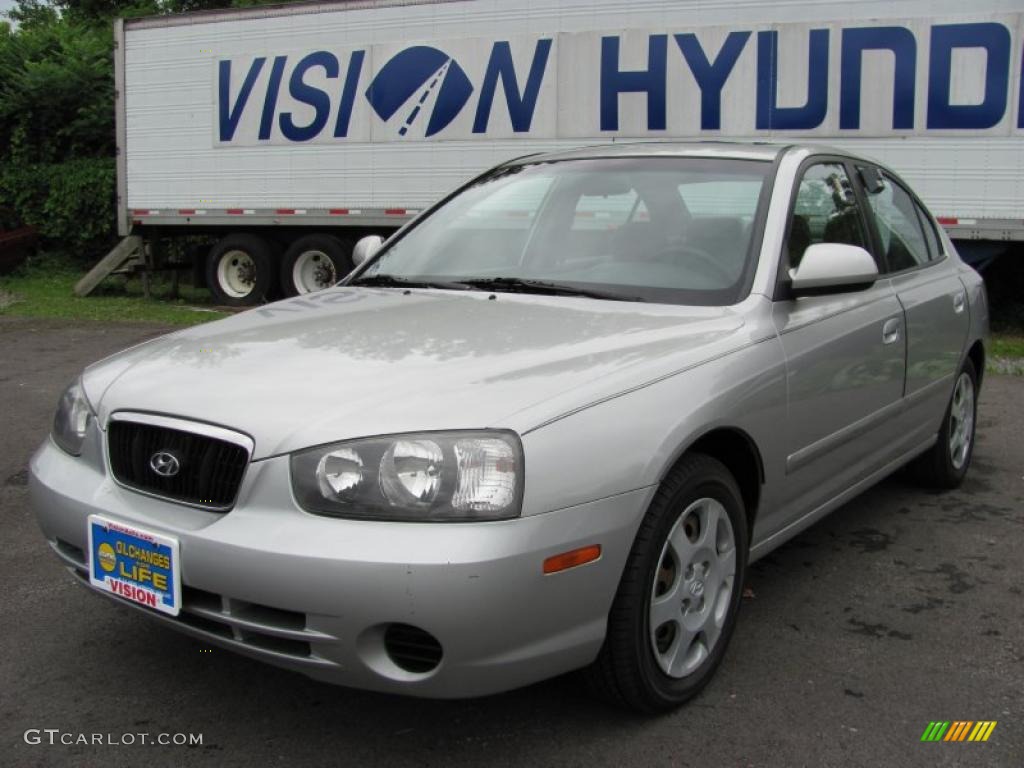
point(118, 255)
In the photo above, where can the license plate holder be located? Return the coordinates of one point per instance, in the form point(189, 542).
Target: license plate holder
point(134, 564)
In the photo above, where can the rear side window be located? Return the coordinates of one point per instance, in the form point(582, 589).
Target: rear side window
point(901, 227)
point(930, 235)
point(825, 211)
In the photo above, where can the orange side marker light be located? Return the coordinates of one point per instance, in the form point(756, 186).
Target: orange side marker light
point(571, 559)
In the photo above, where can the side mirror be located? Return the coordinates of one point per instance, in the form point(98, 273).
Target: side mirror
point(833, 268)
point(365, 248)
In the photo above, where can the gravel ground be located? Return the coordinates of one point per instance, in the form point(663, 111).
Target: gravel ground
point(900, 608)
point(1013, 366)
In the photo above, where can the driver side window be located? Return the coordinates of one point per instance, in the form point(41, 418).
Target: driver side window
point(825, 211)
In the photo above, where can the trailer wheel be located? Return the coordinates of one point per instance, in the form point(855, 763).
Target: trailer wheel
point(314, 262)
point(239, 270)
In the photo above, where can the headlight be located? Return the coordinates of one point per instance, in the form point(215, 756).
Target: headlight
point(71, 419)
point(417, 477)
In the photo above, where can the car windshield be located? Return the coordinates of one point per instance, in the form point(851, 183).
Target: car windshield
point(663, 229)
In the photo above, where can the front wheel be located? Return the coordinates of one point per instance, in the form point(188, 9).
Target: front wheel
point(676, 606)
point(945, 464)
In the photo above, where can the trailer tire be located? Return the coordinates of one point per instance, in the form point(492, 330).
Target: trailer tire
point(314, 262)
point(239, 270)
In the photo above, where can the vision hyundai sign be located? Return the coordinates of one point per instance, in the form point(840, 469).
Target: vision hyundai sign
point(897, 77)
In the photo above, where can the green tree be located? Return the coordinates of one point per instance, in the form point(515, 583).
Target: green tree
point(33, 13)
point(56, 126)
point(57, 115)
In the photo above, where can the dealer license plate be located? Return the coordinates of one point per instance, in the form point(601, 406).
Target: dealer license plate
point(137, 565)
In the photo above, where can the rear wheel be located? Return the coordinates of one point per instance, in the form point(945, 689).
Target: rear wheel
point(239, 270)
point(314, 262)
point(945, 464)
point(680, 592)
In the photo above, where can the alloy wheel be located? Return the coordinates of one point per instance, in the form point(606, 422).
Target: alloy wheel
point(692, 588)
point(961, 421)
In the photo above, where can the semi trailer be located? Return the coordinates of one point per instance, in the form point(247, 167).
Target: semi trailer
point(269, 139)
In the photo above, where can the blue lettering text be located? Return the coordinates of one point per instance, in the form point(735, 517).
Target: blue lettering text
point(520, 106)
point(995, 40)
point(711, 77)
point(901, 42)
point(770, 116)
point(229, 116)
point(650, 81)
point(307, 94)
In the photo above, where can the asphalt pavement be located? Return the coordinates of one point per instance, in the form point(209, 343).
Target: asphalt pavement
point(901, 608)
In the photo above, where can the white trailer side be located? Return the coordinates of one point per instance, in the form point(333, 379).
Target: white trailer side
point(331, 115)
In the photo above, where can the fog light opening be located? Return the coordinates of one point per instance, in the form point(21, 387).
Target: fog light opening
point(412, 649)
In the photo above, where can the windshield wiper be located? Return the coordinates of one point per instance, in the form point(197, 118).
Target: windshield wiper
point(392, 281)
point(495, 284)
point(527, 285)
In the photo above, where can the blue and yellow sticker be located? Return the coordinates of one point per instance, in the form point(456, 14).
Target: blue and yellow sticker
point(134, 564)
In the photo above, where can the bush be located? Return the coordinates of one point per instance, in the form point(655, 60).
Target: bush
point(1004, 279)
point(56, 93)
point(57, 170)
point(70, 204)
point(56, 130)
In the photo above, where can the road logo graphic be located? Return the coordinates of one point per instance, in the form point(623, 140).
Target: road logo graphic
point(958, 730)
point(413, 77)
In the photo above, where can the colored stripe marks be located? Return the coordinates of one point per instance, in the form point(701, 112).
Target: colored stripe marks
point(958, 730)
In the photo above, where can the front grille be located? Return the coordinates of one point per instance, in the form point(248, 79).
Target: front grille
point(209, 470)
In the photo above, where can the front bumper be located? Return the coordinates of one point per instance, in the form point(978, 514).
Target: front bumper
point(315, 594)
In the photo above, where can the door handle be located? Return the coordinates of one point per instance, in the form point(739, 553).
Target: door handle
point(891, 331)
point(959, 302)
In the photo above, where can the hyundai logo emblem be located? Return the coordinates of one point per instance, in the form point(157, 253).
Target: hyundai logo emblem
point(165, 464)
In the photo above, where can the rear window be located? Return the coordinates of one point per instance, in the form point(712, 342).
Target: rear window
point(901, 227)
point(608, 212)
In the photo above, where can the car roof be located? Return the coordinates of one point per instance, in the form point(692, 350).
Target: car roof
point(726, 150)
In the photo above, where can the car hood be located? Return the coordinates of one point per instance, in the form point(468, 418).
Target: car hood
point(351, 362)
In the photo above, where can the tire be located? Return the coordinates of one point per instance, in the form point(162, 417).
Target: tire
point(239, 270)
point(945, 464)
point(314, 262)
point(636, 667)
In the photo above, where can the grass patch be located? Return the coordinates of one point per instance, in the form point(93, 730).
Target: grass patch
point(36, 292)
point(1005, 345)
point(1005, 353)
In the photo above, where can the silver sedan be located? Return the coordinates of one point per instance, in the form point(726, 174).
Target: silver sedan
point(545, 427)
